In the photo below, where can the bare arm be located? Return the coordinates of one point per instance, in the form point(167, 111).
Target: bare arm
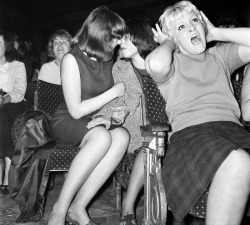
point(158, 62)
point(245, 95)
point(239, 36)
point(72, 90)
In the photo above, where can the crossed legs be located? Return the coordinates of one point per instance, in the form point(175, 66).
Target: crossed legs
point(100, 152)
point(229, 190)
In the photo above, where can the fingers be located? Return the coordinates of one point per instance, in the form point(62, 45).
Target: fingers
point(99, 121)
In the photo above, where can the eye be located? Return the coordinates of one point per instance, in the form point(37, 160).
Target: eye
point(181, 27)
point(195, 19)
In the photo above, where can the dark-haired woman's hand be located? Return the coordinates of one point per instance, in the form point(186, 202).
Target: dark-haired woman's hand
point(119, 89)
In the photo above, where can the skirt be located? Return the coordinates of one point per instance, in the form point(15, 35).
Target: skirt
point(192, 159)
point(8, 113)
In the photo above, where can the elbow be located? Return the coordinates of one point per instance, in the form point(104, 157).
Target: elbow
point(75, 113)
point(156, 68)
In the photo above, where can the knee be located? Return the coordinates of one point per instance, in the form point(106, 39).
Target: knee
point(240, 166)
point(100, 136)
point(121, 135)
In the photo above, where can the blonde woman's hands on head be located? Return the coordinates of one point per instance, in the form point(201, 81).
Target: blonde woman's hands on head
point(210, 28)
point(159, 36)
point(120, 113)
point(119, 89)
point(99, 120)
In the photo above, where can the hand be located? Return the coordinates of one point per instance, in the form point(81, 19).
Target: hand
point(120, 113)
point(210, 28)
point(119, 89)
point(159, 36)
point(99, 120)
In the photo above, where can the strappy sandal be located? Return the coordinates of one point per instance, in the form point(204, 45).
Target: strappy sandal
point(129, 219)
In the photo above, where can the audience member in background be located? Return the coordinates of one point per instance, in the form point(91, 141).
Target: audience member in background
point(135, 46)
point(208, 146)
point(25, 55)
point(59, 44)
point(13, 83)
point(87, 82)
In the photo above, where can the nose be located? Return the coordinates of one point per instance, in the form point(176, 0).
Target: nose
point(192, 27)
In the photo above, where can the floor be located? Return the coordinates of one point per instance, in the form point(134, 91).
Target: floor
point(102, 209)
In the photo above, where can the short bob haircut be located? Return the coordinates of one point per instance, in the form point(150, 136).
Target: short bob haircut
point(10, 52)
point(141, 35)
point(97, 32)
point(175, 12)
point(58, 33)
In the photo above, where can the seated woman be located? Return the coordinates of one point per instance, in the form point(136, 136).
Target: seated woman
point(87, 83)
point(126, 110)
point(59, 44)
point(13, 85)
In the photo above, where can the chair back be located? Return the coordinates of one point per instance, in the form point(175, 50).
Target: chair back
point(48, 97)
point(153, 103)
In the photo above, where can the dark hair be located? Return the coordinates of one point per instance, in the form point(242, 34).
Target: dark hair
point(97, 32)
point(141, 35)
point(58, 33)
point(227, 22)
point(10, 52)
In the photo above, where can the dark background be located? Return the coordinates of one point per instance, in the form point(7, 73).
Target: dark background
point(35, 19)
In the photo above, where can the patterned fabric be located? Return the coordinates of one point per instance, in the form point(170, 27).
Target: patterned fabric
point(123, 170)
point(49, 97)
point(155, 104)
point(27, 213)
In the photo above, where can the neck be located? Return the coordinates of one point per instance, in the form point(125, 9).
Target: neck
point(138, 62)
point(2, 60)
point(58, 62)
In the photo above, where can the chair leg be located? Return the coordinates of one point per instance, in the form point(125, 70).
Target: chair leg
point(51, 181)
point(118, 193)
point(155, 204)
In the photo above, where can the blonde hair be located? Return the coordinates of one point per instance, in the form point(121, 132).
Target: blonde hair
point(173, 13)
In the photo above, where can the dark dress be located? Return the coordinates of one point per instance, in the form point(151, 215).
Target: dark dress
point(96, 78)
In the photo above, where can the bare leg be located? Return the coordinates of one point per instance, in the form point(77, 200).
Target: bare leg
point(136, 182)
point(229, 190)
point(100, 174)
point(6, 172)
point(100, 149)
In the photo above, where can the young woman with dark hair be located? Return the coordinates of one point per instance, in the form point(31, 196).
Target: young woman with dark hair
point(135, 46)
point(13, 86)
point(87, 82)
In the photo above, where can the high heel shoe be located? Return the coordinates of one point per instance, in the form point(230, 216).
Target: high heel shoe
point(70, 221)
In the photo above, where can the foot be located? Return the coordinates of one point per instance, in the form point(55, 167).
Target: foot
point(5, 189)
point(55, 218)
point(77, 216)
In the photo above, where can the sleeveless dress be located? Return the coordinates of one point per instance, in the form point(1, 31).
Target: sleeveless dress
point(96, 78)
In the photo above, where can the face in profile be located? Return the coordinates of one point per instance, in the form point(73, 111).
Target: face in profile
point(61, 46)
point(189, 34)
point(127, 48)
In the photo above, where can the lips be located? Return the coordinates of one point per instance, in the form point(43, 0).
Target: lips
point(195, 39)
